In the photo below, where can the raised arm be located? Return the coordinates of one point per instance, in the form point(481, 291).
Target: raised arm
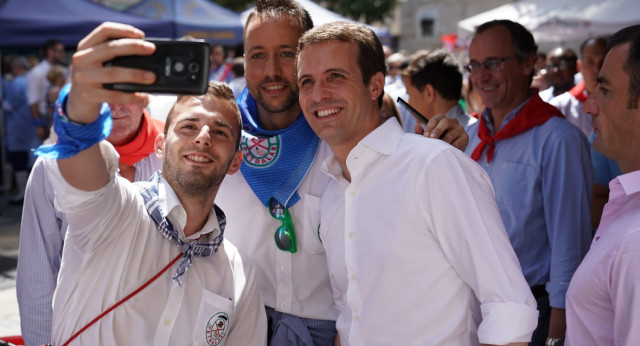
point(87, 169)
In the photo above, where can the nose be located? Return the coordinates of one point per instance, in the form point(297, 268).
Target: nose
point(203, 137)
point(320, 91)
point(272, 67)
point(590, 105)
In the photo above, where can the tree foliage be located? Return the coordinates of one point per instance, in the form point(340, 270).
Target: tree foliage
point(367, 10)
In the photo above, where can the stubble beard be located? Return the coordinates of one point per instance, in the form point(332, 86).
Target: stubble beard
point(194, 184)
point(290, 100)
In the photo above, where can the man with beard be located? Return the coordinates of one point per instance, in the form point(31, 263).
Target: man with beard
point(160, 241)
point(280, 182)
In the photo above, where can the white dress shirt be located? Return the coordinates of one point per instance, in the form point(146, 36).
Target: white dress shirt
point(297, 283)
point(417, 251)
point(571, 108)
point(112, 247)
point(42, 233)
point(38, 84)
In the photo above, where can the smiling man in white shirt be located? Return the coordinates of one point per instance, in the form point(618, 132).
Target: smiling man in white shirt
point(160, 241)
point(416, 248)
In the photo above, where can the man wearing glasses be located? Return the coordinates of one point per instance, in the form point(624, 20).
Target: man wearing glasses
point(559, 70)
point(539, 165)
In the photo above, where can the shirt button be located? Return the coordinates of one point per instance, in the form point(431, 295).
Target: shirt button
point(283, 269)
point(353, 277)
point(167, 322)
point(351, 235)
point(283, 305)
point(352, 193)
point(356, 317)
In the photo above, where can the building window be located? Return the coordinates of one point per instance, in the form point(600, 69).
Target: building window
point(426, 27)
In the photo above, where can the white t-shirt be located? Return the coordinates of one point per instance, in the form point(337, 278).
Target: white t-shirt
point(38, 84)
point(572, 110)
point(112, 247)
point(417, 251)
point(298, 283)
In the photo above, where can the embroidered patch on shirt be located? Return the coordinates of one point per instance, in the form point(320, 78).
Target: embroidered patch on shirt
point(260, 152)
point(217, 328)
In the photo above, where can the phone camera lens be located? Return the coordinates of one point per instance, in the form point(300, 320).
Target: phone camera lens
point(194, 67)
point(179, 67)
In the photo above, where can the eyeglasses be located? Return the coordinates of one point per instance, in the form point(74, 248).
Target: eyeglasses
point(285, 235)
point(491, 64)
point(561, 66)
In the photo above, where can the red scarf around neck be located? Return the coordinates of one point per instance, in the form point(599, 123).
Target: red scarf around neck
point(535, 112)
point(143, 144)
point(578, 92)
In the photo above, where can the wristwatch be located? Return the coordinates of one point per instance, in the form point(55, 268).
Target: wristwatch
point(554, 342)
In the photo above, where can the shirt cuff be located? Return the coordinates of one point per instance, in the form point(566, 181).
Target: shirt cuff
point(557, 293)
point(507, 322)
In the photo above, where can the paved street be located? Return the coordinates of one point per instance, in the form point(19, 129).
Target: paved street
point(9, 239)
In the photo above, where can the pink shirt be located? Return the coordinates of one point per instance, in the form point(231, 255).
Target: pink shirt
point(603, 300)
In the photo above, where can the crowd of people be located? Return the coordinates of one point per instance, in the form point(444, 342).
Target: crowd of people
point(295, 203)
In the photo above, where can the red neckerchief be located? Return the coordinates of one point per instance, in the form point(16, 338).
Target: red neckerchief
point(143, 144)
point(535, 112)
point(578, 92)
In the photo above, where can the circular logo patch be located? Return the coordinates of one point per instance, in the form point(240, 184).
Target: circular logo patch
point(217, 328)
point(260, 152)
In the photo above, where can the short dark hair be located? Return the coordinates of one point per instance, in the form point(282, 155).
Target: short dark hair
point(370, 53)
point(281, 8)
point(522, 41)
point(631, 36)
point(439, 69)
point(215, 89)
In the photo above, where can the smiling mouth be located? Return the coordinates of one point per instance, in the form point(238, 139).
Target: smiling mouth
point(274, 87)
point(327, 112)
point(198, 158)
point(488, 89)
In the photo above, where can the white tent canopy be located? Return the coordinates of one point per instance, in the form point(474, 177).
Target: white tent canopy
point(321, 15)
point(560, 20)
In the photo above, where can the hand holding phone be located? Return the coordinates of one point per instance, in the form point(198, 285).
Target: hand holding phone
point(412, 110)
point(180, 66)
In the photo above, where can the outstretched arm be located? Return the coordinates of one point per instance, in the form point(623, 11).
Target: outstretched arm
point(87, 169)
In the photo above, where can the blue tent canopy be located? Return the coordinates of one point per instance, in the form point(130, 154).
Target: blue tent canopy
point(198, 18)
point(28, 23)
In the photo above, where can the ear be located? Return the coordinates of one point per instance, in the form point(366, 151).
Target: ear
point(159, 146)
point(429, 93)
point(376, 85)
point(236, 162)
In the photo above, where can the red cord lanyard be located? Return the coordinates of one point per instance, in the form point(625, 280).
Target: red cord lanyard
point(123, 300)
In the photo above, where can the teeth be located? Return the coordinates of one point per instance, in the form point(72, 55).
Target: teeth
point(327, 112)
point(198, 158)
point(490, 89)
point(274, 87)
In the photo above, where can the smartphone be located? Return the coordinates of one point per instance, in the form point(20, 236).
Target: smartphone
point(413, 111)
point(180, 66)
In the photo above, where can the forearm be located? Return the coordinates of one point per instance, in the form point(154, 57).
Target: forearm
point(557, 323)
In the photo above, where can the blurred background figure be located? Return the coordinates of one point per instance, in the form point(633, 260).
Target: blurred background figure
point(19, 127)
point(539, 79)
point(395, 63)
point(389, 109)
point(561, 67)
point(434, 84)
point(239, 82)
point(220, 70)
point(38, 85)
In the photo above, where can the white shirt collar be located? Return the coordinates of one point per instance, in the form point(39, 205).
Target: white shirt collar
point(175, 212)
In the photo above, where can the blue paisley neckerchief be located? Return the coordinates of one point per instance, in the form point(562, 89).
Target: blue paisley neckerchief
point(275, 162)
point(149, 192)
